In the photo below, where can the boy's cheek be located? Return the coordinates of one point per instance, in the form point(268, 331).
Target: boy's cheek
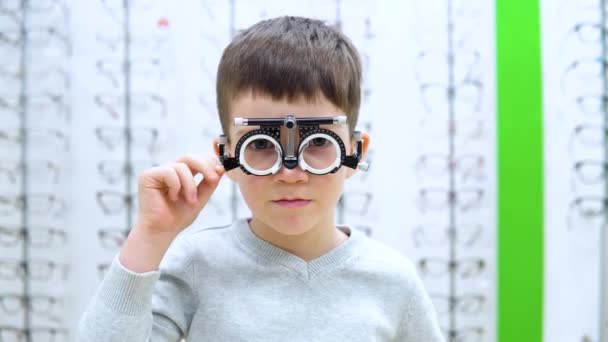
point(231, 175)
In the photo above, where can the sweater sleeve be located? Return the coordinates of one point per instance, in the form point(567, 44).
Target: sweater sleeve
point(419, 321)
point(151, 306)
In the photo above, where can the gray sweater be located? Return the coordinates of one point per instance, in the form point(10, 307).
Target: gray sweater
point(227, 284)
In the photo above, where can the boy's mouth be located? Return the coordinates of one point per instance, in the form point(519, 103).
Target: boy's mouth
point(292, 202)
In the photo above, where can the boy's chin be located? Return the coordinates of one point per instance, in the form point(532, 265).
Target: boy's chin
point(292, 225)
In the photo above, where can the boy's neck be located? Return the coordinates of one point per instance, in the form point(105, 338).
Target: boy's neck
point(308, 246)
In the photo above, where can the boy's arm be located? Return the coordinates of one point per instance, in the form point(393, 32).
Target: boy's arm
point(156, 305)
point(419, 319)
point(136, 302)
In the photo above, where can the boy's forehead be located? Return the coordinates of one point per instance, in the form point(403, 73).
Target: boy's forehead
point(249, 106)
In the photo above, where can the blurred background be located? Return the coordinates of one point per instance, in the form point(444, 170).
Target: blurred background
point(490, 180)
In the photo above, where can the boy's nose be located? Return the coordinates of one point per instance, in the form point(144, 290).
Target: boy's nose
point(293, 175)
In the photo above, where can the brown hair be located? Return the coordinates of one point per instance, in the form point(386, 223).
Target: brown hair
point(290, 57)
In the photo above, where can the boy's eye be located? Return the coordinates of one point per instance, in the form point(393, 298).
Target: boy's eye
point(319, 142)
point(260, 144)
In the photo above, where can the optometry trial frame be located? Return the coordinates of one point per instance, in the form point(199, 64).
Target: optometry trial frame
point(309, 133)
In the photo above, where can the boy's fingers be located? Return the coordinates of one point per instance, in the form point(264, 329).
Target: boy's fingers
point(187, 181)
point(167, 176)
point(205, 166)
point(211, 170)
point(211, 178)
point(196, 164)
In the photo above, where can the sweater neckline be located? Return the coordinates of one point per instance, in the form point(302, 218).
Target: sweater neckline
point(308, 269)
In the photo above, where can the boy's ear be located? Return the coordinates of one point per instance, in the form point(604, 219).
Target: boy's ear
point(216, 147)
point(365, 140)
point(216, 150)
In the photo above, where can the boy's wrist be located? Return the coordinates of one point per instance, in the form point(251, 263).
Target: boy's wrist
point(143, 251)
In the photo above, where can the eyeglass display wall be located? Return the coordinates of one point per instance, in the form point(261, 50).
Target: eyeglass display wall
point(454, 219)
point(576, 246)
point(95, 91)
point(35, 144)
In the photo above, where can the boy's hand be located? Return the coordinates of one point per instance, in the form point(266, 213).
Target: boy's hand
point(169, 201)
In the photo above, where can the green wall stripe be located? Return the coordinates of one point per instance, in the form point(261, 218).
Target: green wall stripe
point(520, 171)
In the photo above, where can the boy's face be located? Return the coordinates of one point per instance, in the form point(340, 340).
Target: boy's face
point(261, 193)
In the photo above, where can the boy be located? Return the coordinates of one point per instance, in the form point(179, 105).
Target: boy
point(287, 273)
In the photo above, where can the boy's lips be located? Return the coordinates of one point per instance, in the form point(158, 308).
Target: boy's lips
point(292, 202)
point(292, 198)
